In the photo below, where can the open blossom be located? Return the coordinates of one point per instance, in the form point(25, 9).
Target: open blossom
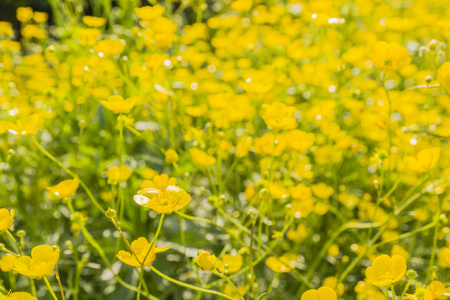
point(17, 296)
point(282, 264)
point(118, 174)
point(117, 104)
point(202, 158)
point(323, 293)
point(7, 262)
point(140, 247)
point(6, 219)
point(171, 199)
point(206, 261)
point(93, 21)
point(390, 56)
point(66, 188)
point(424, 160)
point(26, 126)
point(386, 270)
point(160, 182)
point(279, 116)
point(41, 263)
point(443, 75)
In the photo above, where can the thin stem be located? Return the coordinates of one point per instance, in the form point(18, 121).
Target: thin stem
point(405, 289)
point(50, 288)
point(59, 282)
point(192, 287)
point(230, 283)
point(394, 296)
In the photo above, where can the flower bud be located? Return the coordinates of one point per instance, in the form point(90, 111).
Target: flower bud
point(110, 213)
point(411, 274)
point(171, 156)
point(21, 233)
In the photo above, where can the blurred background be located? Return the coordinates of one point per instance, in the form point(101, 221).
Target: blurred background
point(8, 9)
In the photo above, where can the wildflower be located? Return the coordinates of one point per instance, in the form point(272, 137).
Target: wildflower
point(386, 270)
point(323, 293)
point(109, 48)
point(171, 156)
point(243, 146)
point(94, 21)
point(160, 182)
point(118, 105)
point(149, 13)
point(18, 296)
point(447, 255)
point(424, 160)
point(66, 188)
point(279, 116)
point(229, 263)
point(283, 264)
point(202, 158)
point(140, 247)
point(40, 17)
point(206, 261)
point(7, 262)
point(41, 263)
point(171, 199)
point(299, 140)
point(390, 56)
point(26, 126)
point(443, 75)
point(24, 14)
point(118, 174)
point(6, 219)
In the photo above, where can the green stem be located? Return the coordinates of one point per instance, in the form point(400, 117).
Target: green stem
point(50, 288)
point(230, 283)
point(405, 289)
point(394, 296)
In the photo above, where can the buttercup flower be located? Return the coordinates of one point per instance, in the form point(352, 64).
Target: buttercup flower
point(390, 56)
point(202, 158)
point(171, 156)
point(443, 75)
point(24, 14)
point(206, 261)
point(434, 290)
point(386, 270)
point(118, 105)
point(323, 293)
point(425, 160)
point(140, 247)
point(7, 262)
point(279, 116)
point(160, 182)
point(17, 296)
point(447, 255)
point(118, 174)
point(283, 264)
point(229, 263)
point(6, 219)
point(109, 48)
point(149, 13)
point(66, 188)
point(26, 126)
point(94, 21)
point(171, 199)
point(41, 262)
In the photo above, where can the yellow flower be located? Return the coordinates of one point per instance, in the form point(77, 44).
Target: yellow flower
point(206, 261)
point(386, 270)
point(283, 264)
point(390, 56)
point(425, 160)
point(241, 5)
point(434, 290)
point(109, 48)
point(229, 264)
point(140, 247)
point(41, 263)
point(299, 140)
point(324, 293)
point(149, 13)
point(160, 182)
point(6, 219)
point(279, 116)
point(40, 17)
point(171, 156)
point(26, 126)
point(21, 296)
point(447, 255)
point(202, 158)
point(118, 174)
point(94, 21)
point(24, 14)
point(243, 146)
point(118, 105)
point(7, 262)
point(171, 199)
point(66, 188)
point(443, 75)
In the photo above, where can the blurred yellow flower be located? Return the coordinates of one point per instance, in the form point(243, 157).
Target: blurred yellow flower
point(149, 13)
point(279, 116)
point(434, 290)
point(118, 174)
point(66, 188)
point(425, 160)
point(6, 219)
point(386, 270)
point(447, 255)
point(390, 56)
point(24, 14)
point(140, 247)
point(94, 21)
point(118, 105)
point(41, 263)
point(167, 201)
point(109, 48)
point(283, 264)
point(21, 296)
point(171, 156)
point(323, 293)
point(243, 146)
point(26, 126)
point(206, 261)
point(443, 75)
point(202, 158)
point(229, 263)
point(40, 17)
